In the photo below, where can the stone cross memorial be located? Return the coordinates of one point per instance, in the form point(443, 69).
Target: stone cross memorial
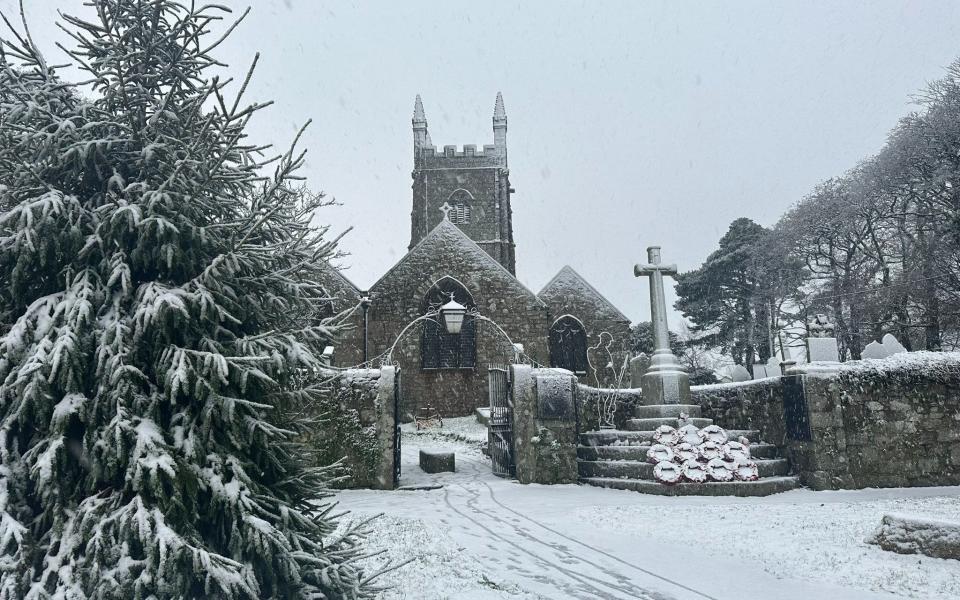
point(666, 381)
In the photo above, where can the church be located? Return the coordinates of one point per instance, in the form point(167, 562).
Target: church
point(462, 248)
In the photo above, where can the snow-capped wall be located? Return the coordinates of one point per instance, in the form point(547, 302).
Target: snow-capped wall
point(544, 441)
point(355, 424)
point(883, 423)
point(755, 404)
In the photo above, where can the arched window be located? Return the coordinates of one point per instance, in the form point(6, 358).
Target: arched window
point(442, 350)
point(460, 201)
point(568, 344)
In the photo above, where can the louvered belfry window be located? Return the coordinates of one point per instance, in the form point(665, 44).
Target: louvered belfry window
point(460, 214)
point(568, 345)
point(442, 350)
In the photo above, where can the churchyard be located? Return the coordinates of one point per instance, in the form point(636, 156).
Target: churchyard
point(198, 401)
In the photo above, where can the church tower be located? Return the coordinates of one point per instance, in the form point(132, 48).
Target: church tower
point(474, 186)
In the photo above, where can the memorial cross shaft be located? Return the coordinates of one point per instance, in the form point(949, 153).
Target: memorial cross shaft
point(666, 381)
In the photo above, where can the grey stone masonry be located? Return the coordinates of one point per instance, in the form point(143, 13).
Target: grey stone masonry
point(478, 181)
point(435, 461)
point(396, 300)
point(568, 293)
point(545, 449)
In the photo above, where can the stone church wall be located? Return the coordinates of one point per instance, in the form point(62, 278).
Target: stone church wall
point(571, 297)
point(396, 301)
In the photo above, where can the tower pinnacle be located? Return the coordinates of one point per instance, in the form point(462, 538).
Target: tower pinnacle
point(421, 137)
point(419, 117)
point(499, 113)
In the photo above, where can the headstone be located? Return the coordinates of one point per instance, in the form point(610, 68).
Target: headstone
point(874, 350)
point(770, 369)
point(821, 342)
point(892, 344)
point(760, 371)
point(739, 373)
point(888, 346)
point(822, 349)
point(638, 366)
point(820, 327)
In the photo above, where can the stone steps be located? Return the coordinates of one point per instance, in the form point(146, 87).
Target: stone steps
point(635, 469)
point(608, 437)
point(757, 451)
point(651, 423)
point(667, 410)
point(761, 487)
point(618, 459)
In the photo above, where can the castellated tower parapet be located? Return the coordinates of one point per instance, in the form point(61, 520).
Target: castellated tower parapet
point(476, 183)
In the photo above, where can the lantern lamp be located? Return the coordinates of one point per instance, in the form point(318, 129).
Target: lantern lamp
point(453, 313)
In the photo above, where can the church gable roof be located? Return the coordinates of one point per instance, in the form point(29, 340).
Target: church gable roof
point(336, 277)
point(568, 283)
point(448, 239)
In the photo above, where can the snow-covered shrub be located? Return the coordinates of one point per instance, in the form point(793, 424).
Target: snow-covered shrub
point(157, 290)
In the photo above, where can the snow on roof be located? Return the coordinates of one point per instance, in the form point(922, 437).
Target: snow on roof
point(447, 236)
point(567, 280)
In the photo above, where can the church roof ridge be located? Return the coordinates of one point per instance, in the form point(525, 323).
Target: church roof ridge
point(336, 270)
point(446, 226)
point(567, 269)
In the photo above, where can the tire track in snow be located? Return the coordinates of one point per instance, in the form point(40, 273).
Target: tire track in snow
point(584, 544)
point(619, 591)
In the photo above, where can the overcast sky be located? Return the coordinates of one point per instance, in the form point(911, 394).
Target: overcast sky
point(630, 124)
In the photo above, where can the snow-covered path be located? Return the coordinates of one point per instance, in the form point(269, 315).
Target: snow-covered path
point(480, 536)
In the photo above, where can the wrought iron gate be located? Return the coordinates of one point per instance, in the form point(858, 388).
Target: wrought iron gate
point(500, 432)
point(396, 427)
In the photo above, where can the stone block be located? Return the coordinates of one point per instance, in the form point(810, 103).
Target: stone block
point(432, 461)
point(555, 397)
point(906, 534)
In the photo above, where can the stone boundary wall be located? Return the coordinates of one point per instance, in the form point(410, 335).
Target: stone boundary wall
point(545, 448)
point(354, 424)
point(893, 422)
point(756, 404)
point(587, 397)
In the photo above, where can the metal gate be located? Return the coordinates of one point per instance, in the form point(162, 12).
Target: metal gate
point(396, 428)
point(500, 432)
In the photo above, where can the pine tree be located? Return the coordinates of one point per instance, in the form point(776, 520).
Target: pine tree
point(157, 282)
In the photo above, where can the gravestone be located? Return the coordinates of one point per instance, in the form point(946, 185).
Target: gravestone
point(822, 349)
point(821, 341)
point(638, 366)
point(888, 346)
point(739, 373)
point(892, 344)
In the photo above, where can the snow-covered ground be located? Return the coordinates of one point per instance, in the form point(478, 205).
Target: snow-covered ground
point(481, 537)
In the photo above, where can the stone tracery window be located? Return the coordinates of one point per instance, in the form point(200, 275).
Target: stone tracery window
point(568, 344)
point(442, 350)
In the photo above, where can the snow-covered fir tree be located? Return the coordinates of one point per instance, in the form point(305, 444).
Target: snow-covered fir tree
point(157, 275)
